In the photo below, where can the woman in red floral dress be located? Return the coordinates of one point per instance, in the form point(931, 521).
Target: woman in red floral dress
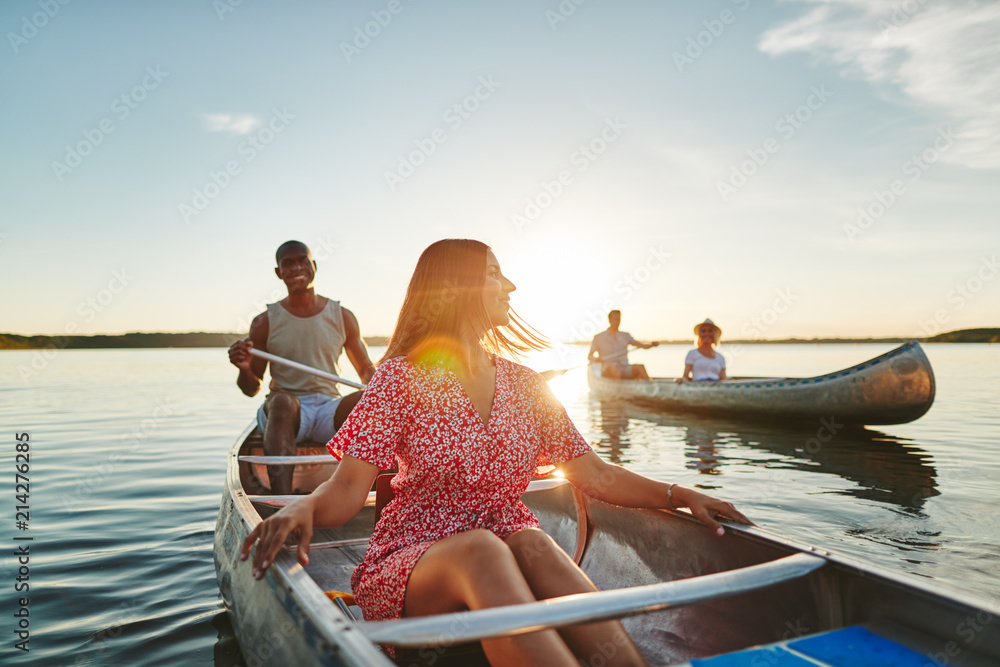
point(468, 429)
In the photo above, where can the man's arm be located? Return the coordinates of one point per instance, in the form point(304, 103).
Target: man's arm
point(354, 346)
point(640, 344)
point(593, 349)
point(251, 368)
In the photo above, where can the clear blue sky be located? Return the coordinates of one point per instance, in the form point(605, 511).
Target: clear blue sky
point(674, 160)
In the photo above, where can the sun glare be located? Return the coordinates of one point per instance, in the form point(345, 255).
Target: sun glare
point(555, 279)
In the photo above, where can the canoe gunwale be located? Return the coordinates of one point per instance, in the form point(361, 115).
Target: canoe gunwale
point(619, 603)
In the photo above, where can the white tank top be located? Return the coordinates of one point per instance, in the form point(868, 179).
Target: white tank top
point(315, 341)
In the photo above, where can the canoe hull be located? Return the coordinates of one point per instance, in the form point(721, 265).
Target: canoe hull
point(284, 619)
point(894, 388)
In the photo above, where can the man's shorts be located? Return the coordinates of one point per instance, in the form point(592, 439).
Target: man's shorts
point(624, 369)
point(315, 417)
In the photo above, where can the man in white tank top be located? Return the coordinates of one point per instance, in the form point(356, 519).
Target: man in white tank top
point(311, 330)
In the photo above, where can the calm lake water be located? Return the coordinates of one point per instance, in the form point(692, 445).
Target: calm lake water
point(128, 458)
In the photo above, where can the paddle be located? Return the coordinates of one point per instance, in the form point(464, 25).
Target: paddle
point(306, 369)
point(547, 375)
point(554, 373)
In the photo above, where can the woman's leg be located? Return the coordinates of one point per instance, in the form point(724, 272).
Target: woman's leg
point(550, 573)
point(476, 570)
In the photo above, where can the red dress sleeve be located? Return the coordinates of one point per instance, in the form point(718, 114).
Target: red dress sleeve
point(560, 439)
point(375, 426)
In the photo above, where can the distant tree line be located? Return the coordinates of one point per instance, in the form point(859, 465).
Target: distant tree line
point(967, 336)
point(202, 339)
point(132, 340)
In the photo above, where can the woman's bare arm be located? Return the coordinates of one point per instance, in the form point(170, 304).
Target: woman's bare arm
point(619, 486)
point(333, 503)
point(687, 374)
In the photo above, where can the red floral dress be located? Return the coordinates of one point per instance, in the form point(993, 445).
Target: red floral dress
point(455, 473)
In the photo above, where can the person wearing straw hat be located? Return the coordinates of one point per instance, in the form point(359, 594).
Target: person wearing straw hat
point(704, 364)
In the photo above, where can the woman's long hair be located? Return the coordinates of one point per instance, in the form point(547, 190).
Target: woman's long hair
point(445, 294)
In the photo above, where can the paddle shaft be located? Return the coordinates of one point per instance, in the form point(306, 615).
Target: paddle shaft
point(548, 375)
point(601, 360)
point(306, 369)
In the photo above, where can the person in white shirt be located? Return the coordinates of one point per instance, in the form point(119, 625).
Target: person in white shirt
point(704, 364)
point(611, 349)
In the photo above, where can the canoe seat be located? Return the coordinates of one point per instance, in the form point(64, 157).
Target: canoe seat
point(281, 501)
point(343, 601)
point(341, 595)
point(312, 465)
point(304, 459)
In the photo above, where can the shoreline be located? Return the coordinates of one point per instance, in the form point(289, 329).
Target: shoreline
point(138, 340)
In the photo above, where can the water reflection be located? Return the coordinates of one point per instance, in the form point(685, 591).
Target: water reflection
point(882, 467)
point(226, 651)
point(702, 450)
point(613, 423)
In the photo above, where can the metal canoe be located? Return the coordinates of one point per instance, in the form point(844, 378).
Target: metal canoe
point(893, 388)
point(685, 593)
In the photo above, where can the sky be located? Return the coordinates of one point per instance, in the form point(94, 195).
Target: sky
point(789, 169)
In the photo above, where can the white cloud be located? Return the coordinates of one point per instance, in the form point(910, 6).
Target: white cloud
point(234, 123)
point(943, 56)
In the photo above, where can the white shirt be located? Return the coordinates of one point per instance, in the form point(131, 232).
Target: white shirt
point(704, 368)
point(612, 349)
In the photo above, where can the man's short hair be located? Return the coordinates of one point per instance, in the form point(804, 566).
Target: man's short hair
point(614, 312)
point(289, 245)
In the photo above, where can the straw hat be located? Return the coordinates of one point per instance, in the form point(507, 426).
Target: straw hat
point(718, 331)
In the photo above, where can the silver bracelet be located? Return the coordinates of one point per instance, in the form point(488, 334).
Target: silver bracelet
point(670, 496)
